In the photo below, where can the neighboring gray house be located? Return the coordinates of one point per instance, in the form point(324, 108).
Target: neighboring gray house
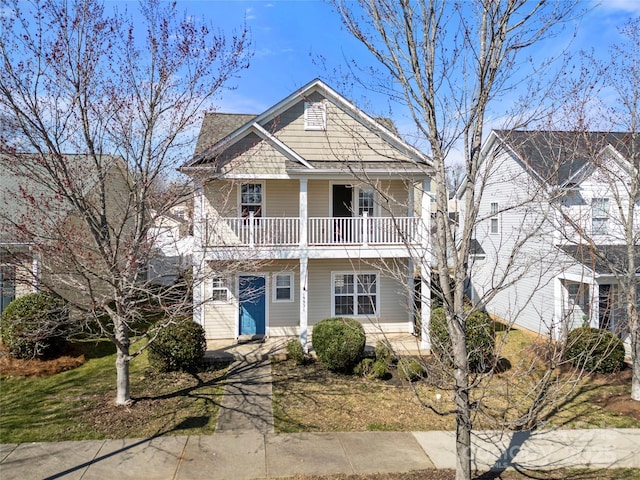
point(550, 227)
point(309, 210)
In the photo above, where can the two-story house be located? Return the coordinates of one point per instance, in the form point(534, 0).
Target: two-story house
point(551, 242)
point(310, 210)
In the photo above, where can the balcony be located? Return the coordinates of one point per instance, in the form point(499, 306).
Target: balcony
point(320, 231)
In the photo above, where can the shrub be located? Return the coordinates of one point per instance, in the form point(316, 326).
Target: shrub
point(410, 369)
point(295, 352)
point(380, 369)
point(35, 325)
point(595, 350)
point(364, 368)
point(339, 343)
point(178, 346)
point(384, 352)
point(480, 339)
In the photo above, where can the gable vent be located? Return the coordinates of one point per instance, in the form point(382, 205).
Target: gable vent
point(315, 116)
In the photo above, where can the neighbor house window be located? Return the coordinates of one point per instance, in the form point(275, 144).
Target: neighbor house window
point(283, 287)
point(251, 199)
point(355, 294)
point(599, 215)
point(315, 116)
point(7, 285)
point(220, 290)
point(578, 298)
point(495, 224)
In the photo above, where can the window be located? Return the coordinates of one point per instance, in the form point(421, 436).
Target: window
point(495, 225)
point(366, 203)
point(599, 215)
point(7, 285)
point(355, 294)
point(283, 287)
point(220, 290)
point(578, 298)
point(315, 116)
point(251, 197)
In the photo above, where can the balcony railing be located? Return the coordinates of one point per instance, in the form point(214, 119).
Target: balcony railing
point(322, 231)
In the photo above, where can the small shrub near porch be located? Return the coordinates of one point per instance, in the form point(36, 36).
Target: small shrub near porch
point(339, 343)
point(179, 346)
point(595, 350)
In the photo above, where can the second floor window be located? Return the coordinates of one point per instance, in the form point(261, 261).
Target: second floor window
point(251, 198)
point(599, 216)
point(366, 202)
point(495, 224)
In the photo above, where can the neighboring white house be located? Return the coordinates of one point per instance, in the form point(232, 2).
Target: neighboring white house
point(309, 210)
point(173, 246)
point(546, 209)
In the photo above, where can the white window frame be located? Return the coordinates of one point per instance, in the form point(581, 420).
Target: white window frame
point(261, 210)
point(494, 221)
point(220, 283)
point(355, 294)
point(274, 290)
point(315, 116)
point(376, 204)
point(603, 215)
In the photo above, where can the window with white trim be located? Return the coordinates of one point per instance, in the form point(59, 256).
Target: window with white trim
point(220, 289)
point(355, 294)
point(7, 285)
point(283, 287)
point(315, 116)
point(599, 216)
point(495, 223)
point(366, 202)
point(251, 199)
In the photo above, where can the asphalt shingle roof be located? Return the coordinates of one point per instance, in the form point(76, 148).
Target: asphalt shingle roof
point(603, 259)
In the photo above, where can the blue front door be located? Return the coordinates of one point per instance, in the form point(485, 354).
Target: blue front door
point(252, 305)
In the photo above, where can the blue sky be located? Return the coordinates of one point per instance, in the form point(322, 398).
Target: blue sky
point(295, 41)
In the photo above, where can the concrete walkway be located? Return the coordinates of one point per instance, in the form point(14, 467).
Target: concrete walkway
point(247, 402)
point(241, 456)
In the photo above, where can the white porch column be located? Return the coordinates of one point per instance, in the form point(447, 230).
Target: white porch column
point(303, 239)
point(303, 213)
point(594, 304)
point(558, 327)
point(35, 271)
point(199, 230)
point(425, 264)
point(304, 302)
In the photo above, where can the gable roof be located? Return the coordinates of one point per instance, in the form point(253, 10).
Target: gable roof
point(609, 259)
point(221, 131)
point(558, 158)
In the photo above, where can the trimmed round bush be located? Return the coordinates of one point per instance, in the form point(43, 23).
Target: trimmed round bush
point(595, 350)
point(179, 346)
point(35, 325)
point(339, 343)
point(479, 334)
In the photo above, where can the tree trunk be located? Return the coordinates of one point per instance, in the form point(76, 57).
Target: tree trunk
point(461, 399)
point(463, 426)
point(635, 359)
point(122, 365)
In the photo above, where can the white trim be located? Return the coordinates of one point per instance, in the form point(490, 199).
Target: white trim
point(274, 289)
point(355, 274)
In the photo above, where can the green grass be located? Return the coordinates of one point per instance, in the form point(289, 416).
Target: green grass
point(79, 404)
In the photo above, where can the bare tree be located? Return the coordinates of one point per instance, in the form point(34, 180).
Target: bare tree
point(450, 63)
point(602, 109)
point(78, 80)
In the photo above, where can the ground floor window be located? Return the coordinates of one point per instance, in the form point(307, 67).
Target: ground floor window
point(355, 293)
point(220, 289)
point(283, 287)
point(7, 285)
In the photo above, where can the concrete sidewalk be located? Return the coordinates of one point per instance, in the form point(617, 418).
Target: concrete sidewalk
point(237, 456)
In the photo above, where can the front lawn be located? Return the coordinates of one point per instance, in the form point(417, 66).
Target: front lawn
point(78, 404)
point(311, 398)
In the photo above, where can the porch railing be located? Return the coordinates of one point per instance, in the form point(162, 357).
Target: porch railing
point(321, 231)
